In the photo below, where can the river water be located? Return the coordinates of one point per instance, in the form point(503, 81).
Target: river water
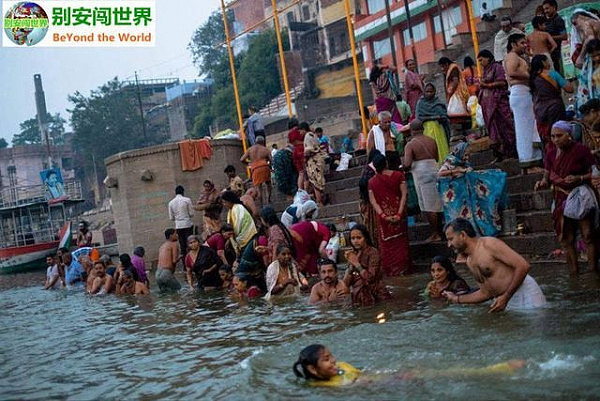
point(65, 345)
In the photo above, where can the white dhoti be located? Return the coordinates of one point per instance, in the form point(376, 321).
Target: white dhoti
point(425, 176)
point(528, 296)
point(528, 138)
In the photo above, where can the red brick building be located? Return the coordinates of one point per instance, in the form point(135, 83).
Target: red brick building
point(371, 29)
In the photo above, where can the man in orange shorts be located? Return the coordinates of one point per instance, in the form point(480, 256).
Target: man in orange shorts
point(259, 158)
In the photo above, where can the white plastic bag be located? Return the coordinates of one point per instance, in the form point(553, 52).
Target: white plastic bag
point(344, 162)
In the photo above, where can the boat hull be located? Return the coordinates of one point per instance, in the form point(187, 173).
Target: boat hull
point(22, 259)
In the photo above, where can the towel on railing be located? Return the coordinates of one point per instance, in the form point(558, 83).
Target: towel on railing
point(192, 153)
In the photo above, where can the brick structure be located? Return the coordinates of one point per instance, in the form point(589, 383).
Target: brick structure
point(140, 205)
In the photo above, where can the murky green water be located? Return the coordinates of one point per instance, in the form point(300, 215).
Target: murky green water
point(60, 345)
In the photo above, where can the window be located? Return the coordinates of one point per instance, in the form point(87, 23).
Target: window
point(452, 19)
point(375, 5)
point(305, 13)
point(290, 17)
point(381, 48)
point(437, 24)
point(419, 33)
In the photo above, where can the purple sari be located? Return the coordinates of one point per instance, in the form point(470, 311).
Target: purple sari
point(413, 90)
point(498, 117)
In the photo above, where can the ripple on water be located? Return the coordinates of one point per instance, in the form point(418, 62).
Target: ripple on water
point(55, 344)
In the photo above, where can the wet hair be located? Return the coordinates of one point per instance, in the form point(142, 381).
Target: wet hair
point(281, 247)
point(468, 62)
point(270, 217)
point(308, 356)
point(375, 73)
point(230, 196)
point(444, 60)
point(590, 105)
point(365, 233)
point(380, 163)
point(374, 152)
point(292, 122)
point(538, 21)
point(179, 190)
point(326, 262)
point(226, 269)
point(463, 225)
point(169, 232)
point(485, 53)
point(229, 169)
point(244, 277)
point(513, 39)
point(125, 260)
point(593, 46)
point(139, 251)
point(226, 228)
point(552, 3)
point(304, 126)
point(447, 265)
point(536, 68)
point(318, 130)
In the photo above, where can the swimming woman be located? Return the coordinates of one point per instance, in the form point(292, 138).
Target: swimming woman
point(318, 367)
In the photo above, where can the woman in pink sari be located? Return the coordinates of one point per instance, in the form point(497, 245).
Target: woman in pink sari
point(413, 86)
point(388, 194)
point(385, 99)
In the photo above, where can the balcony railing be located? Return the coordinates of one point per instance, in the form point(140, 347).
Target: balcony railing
point(23, 195)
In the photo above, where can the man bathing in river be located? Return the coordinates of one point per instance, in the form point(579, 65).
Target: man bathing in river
point(500, 271)
point(168, 254)
point(330, 288)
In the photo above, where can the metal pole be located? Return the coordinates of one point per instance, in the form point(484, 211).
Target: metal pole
point(410, 32)
point(139, 96)
point(391, 34)
point(471, 16)
point(355, 64)
point(439, 7)
point(238, 105)
point(286, 85)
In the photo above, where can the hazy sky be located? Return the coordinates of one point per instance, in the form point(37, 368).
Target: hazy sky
point(66, 70)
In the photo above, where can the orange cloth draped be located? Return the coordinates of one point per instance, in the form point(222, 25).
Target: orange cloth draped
point(192, 153)
point(261, 172)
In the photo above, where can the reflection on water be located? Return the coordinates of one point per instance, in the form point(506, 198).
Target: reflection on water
point(55, 344)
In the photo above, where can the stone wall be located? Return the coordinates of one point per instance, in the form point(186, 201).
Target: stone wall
point(140, 207)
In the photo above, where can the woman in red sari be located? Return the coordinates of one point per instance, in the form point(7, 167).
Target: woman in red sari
point(568, 165)
point(388, 194)
point(296, 138)
point(310, 239)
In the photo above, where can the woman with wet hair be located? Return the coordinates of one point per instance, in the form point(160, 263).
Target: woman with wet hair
point(445, 278)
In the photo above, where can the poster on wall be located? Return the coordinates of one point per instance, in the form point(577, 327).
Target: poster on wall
point(53, 184)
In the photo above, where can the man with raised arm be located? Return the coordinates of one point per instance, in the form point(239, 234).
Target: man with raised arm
point(502, 274)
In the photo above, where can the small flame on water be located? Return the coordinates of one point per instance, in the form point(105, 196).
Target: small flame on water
point(381, 318)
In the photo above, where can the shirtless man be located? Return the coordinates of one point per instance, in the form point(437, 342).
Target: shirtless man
point(516, 65)
point(380, 138)
point(168, 254)
point(587, 26)
point(330, 288)
point(128, 286)
point(260, 160)
point(540, 41)
point(500, 272)
point(102, 282)
point(249, 200)
point(420, 156)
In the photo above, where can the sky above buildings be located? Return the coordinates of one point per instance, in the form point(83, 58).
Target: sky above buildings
point(66, 70)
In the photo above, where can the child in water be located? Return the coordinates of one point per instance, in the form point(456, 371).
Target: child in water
point(227, 277)
point(318, 367)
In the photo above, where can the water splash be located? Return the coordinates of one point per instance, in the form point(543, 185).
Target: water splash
point(244, 364)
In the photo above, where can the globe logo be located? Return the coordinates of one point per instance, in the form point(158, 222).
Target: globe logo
point(26, 23)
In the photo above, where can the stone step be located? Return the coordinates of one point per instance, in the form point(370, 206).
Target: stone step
point(463, 39)
point(453, 51)
point(538, 243)
point(341, 175)
point(531, 201)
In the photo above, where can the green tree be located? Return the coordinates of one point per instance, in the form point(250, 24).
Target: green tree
point(207, 52)
point(106, 122)
point(258, 74)
point(30, 131)
point(3, 143)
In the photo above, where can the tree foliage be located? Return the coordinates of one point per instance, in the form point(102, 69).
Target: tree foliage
point(258, 76)
point(106, 122)
point(30, 131)
point(3, 143)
